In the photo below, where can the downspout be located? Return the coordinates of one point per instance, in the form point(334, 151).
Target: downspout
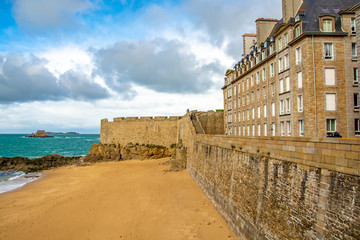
point(313, 55)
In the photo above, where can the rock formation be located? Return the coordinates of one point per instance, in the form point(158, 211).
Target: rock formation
point(39, 134)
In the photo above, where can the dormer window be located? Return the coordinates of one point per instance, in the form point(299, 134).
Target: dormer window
point(297, 31)
point(327, 23)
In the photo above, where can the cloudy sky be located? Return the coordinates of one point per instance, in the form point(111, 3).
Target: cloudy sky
point(65, 65)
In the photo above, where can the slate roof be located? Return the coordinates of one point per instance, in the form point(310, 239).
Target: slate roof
point(313, 9)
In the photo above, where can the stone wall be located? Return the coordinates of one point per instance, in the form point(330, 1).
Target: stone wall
point(274, 188)
point(145, 130)
point(212, 122)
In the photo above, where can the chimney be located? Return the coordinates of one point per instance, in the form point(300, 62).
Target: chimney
point(264, 26)
point(248, 41)
point(290, 8)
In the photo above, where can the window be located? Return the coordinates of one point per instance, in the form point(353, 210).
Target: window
point(234, 130)
point(259, 129)
point(328, 50)
point(252, 80)
point(240, 116)
point(252, 96)
point(243, 85)
point(257, 77)
point(297, 31)
point(247, 98)
point(243, 100)
point(287, 84)
point(354, 52)
point(272, 73)
point(286, 37)
point(288, 128)
point(288, 106)
point(243, 131)
point(264, 92)
point(299, 79)
point(280, 64)
point(264, 74)
point(247, 83)
point(356, 75)
point(262, 55)
point(272, 89)
point(234, 90)
point(273, 109)
point(234, 103)
point(301, 127)
point(353, 26)
point(281, 86)
point(271, 49)
point(273, 130)
point(234, 117)
point(248, 130)
point(253, 129)
point(280, 44)
point(243, 115)
point(329, 76)
point(282, 128)
point(259, 111)
point(356, 101)
point(357, 127)
point(330, 125)
point(327, 26)
point(281, 107)
point(265, 129)
point(300, 103)
point(330, 99)
point(248, 114)
point(265, 111)
point(253, 113)
point(239, 131)
point(286, 61)
point(298, 55)
point(258, 94)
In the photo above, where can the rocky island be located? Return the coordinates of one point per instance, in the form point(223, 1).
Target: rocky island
point(39, 134)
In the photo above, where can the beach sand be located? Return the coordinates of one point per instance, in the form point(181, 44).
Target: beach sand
point(114, 200)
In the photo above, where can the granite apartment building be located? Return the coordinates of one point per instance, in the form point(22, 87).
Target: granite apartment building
point(298, 76)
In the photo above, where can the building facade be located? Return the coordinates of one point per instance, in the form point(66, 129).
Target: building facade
point(301, 76)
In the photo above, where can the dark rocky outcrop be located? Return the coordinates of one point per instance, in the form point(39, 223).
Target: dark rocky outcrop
point(39, 134)
point(112, 152)
point(37, 164)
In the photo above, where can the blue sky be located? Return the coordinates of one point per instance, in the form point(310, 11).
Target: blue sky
point(65, 65)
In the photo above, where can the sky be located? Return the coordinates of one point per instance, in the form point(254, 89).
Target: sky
point(65, 65)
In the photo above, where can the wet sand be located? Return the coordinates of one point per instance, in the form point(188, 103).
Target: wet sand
point(116, 200)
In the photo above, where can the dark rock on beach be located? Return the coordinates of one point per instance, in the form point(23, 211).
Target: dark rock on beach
point(37, 164)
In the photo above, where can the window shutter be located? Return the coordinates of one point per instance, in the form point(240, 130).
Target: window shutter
point(330, 102)
point(330, 76)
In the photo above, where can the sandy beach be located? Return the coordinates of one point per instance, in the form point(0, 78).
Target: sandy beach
point(115, 200)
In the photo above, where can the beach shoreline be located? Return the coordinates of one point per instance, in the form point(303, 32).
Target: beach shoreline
point(111, 200)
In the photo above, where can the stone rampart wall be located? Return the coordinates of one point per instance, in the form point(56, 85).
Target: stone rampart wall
point(273, 188)
point(144, 130)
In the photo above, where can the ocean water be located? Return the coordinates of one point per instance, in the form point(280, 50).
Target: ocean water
point(13, 145)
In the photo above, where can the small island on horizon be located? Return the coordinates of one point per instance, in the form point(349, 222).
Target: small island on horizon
point(44, 134)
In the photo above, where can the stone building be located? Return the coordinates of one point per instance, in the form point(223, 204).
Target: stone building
point(300, 75)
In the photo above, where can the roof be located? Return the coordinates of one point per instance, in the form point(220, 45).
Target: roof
point(313, 9)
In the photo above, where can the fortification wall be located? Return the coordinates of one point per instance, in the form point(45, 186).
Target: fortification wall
point(273, 188)
point(212, 122)
point(144, 130)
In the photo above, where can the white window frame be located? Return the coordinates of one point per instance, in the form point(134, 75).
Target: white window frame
point(301, 127)
point(328, 51)
point(287, 84)
point(280, 62)
point(282, 128)
point(281, 107)
point(272, 89)
point(259, 111)
point(330, 125)
point(327, 25)
point(299, 80)
point(259, 129)
point(354, 51)
point(272, 70)
point(298, 55)
point(273, 109)
point(356, 101)
point(265, 129)
point(281, 86)
point(264, 92)
point(288, 106)
point(300, 103)
point(288, 127)
point(253, 113)
point(265, 113)
point(253, 129)
point(357, 127)
point(264, 74)
point(257, 77)
point(353, 26)
point(273, 129)
point(356, 75)
point(286, 62)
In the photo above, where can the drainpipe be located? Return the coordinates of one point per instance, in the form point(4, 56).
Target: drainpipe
point(313, 55)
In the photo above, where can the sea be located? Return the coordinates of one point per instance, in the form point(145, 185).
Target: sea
point(18, 145)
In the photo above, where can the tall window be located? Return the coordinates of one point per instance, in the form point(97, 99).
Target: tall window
point(248, 114)
point(353, 26)
point(281, 86)
point(252, 80)
point(264, 74)
point(273, 109)
point(239, 131)
point(287, 84)
point(257, 77)
point(258, 94)
point(298, 55)
point(252, 96)
point(327, 26)
point(356, 101)
point(282, 128)
point(259, 111)
point(330, 125)
point(301, 127)
point(264, 110)
point(253, 113)
point(253, 129)
point(330, 99)
point(265, 129)
point(357, 127)
point(272, 89)
point(288, 128)
point(273, 130)
point(329, 76)
point(264, 92)
point(259, 129)
point(328, 50)
point(286, 37)
point(243, 131)
point(297, 31)
point(356, 75)
point(248, 130)
point(280, 43)
point(300, 103)
point(354, 51)
point(288, 106)
point(272, 73)
point(281, 107)
point(286, 61)
point(280, 64)
point(299, 79)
